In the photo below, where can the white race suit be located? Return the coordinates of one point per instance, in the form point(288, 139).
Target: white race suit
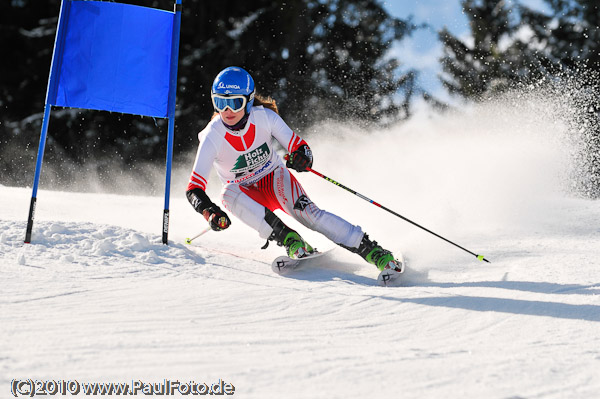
point(254, 176)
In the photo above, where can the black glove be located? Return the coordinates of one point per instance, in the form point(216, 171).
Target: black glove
point(301, 159)
point(217, 219)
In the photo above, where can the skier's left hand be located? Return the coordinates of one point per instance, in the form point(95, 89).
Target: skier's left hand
point(301, 159)
point(217, 219)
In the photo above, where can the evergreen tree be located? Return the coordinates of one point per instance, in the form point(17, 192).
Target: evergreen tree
point(335, 65)
point(496, 59)
point(570, 34)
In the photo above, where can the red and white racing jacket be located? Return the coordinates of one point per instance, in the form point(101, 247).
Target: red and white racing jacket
point(243, 156)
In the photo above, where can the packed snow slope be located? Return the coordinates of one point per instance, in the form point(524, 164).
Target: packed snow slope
point(97, 298)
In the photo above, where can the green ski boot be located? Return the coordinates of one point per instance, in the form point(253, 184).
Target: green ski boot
point(384, 260)
point(296, 247)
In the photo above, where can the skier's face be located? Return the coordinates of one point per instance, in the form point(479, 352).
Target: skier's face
point(230, 117)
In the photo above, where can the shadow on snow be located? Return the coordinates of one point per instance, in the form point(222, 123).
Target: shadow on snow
point(337, 272)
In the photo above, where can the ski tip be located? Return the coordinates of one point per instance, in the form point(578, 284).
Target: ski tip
point(482, 258)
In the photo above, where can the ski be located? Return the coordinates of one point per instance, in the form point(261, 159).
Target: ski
point(284, 264)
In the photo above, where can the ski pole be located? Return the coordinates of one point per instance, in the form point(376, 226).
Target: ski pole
point(189, 240)
point(480, 257)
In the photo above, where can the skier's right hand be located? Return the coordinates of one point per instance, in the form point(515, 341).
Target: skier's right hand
point(217, 219)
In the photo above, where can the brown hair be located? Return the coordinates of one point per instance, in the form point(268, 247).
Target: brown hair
point(266, 102)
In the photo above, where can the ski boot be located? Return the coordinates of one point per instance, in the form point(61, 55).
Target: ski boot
point(383, 259)
point(295, 245)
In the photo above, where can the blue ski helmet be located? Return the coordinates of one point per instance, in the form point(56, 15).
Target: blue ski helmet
point(233, 81)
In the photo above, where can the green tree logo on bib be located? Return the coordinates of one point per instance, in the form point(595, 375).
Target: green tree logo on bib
point(252, 159)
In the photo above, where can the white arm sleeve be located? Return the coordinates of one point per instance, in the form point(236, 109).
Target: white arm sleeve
point(282, 132)
point(205, 156)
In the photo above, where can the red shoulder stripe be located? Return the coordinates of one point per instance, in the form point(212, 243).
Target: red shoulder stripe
point(249, 136)
point(238, 142)
point(235, 141)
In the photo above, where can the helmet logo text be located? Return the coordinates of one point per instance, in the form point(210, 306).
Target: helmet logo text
point(224, 86)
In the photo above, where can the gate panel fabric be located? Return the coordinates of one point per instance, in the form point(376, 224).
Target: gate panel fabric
point(113, 57)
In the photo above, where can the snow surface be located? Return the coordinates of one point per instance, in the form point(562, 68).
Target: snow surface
point(96, 297)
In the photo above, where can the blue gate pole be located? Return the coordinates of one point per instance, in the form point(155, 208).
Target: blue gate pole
point(50, 93)
point(38, 171)
point(171, 115)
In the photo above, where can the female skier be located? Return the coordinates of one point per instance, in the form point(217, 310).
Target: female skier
point(238, 142)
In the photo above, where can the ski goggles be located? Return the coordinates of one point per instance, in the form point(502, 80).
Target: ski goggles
point(235, 103)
